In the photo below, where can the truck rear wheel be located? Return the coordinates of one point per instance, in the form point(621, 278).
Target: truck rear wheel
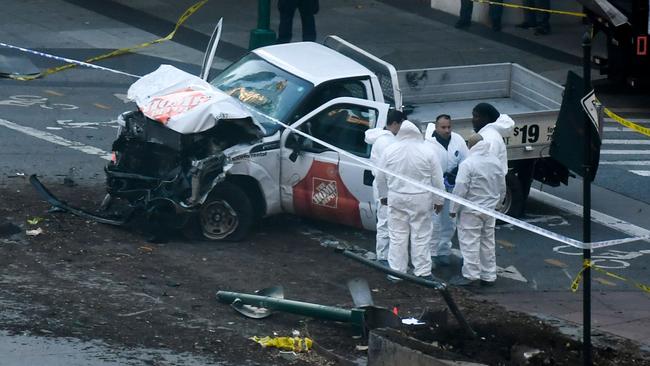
point(514, 202)
point(227, 214)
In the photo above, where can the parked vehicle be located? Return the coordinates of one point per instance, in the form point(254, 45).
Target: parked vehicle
point(215, 150)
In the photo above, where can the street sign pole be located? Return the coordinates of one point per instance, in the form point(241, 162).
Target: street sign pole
point(586, 204)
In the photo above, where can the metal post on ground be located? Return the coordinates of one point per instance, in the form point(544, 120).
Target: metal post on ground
point(262, 35)
point(586, 204)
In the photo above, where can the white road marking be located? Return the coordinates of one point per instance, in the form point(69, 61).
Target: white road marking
point(626, 142)
point(643, 173)
point(122, 97)
point(626, 162)
point(46, 136)
point(567, 274)
point(512, 273)
point(509, 272)
point(550, 220)
point(624, 152)
point(69, 123)
point(596, 216)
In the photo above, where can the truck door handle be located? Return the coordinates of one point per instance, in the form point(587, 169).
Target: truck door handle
point(368, 178)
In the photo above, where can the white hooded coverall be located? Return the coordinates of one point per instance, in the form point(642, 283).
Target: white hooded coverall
point(379, 138)
point(443, 225)
point(410, 207)
point(493, 133)
point(481, 180)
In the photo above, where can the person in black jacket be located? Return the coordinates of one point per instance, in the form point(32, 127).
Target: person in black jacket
point(307, 9)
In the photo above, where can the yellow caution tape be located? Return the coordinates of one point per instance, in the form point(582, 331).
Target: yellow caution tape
point(589, 264)
point(295, 344)
point(191, 10)
point(631, 125)
point(516, 6)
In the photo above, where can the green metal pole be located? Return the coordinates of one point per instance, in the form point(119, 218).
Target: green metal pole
point(262, 35)
point(354, 316)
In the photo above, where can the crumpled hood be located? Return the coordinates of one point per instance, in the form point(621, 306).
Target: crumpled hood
point(374, 133)
point(481, 148)
point(504, 125)
point(409, 131)
point(184, 102)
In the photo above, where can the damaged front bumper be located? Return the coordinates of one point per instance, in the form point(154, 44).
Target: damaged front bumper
point(55, 202)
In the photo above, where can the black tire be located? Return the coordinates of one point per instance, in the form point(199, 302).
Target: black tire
point(515, 201)
point(227, 214)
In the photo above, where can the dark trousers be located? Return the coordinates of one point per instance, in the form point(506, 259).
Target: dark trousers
point(466, 7)
point(534, 17)
point(307, 9)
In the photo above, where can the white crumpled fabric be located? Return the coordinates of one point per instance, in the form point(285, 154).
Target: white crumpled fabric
point(183, 102)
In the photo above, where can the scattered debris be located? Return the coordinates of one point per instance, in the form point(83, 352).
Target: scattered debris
point(412, 321)
point(34, 232)
point(361, 348)
point(34, 220)
point(295, 344)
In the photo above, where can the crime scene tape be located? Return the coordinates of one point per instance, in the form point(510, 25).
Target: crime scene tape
point(72, 63)
point(65, 59)
point(516, 6)
point(443, 193)
point(631, 125)
point(589, 264)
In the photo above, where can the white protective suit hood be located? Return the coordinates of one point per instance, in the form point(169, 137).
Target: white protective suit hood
point(481, 148)
point(504, 125)
point(375, 133)
point(409, 131)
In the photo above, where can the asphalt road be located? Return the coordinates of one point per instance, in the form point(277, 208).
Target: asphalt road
point(63, 125)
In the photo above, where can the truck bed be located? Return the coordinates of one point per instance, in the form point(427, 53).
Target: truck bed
point(462, 109)
point(531, 100)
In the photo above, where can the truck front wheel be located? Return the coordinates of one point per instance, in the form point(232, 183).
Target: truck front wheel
point(515, 201)
point(227, 214)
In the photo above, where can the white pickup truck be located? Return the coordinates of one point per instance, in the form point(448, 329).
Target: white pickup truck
point(238, 165)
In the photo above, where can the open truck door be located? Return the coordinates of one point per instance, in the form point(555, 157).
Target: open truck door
point(208, 57)
point(315, 180)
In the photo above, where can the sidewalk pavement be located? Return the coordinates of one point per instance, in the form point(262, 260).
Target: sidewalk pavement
point(407, 33)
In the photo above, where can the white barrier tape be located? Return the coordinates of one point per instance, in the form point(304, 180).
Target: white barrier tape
point(498, 215)
point(69, 60)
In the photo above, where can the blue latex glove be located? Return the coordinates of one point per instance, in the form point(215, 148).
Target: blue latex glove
point(448, 186)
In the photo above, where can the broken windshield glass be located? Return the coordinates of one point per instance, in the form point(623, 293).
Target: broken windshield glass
point(263, 86)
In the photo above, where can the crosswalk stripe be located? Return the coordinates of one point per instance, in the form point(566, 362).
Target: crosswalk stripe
point(626, 162)
point(626, 142)
point(625, 152)
point(643, 173)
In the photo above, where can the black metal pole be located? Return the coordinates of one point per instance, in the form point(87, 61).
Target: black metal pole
point(440, 286)
point(586, 205)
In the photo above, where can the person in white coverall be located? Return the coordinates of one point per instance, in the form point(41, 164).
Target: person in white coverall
point(451, 149)
point(493, 127)
point(380, 138)
point(410, 206)
point(482, 181)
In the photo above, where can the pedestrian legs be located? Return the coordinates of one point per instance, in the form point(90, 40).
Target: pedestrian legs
point(443, 230)
point(308, 21)
point(487, 250)
point(287, 9)
point(421, 230)
point(469, 239)
point(398, 231)
point(382, 232)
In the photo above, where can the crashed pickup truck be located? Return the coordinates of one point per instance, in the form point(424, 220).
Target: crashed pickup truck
point(214, 151)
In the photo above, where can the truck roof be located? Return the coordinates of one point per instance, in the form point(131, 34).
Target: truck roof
point(312, 61)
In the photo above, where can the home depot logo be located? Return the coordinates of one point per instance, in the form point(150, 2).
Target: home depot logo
point(164, 107)
point(325, 193)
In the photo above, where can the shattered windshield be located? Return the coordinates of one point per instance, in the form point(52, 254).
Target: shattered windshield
point(268, 89)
